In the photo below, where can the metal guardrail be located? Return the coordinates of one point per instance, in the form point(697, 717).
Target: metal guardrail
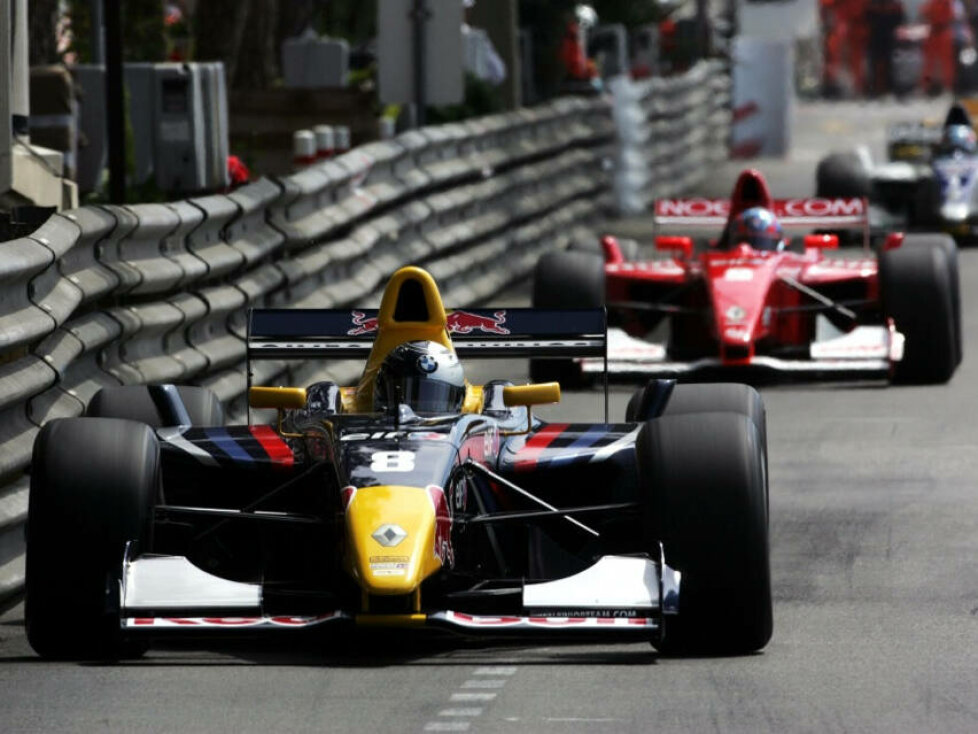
point(110, 295)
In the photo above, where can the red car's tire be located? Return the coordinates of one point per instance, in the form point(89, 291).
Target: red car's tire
point(917, 286)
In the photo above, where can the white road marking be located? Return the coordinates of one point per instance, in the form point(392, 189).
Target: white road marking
point(460, 718)
point(477, 711)
point(465, 697)
point(495, 670)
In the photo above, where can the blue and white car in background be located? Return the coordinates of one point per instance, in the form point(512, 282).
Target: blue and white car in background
point(928, 184)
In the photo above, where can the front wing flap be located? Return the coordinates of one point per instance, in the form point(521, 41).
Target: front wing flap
point(618, 595)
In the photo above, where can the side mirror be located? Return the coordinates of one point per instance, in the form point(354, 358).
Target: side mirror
point(822, 241)
point(683, 246)
point(280, 398)
point(539, 394)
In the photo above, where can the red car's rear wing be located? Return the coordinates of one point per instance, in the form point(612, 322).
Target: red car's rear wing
point(815, 213)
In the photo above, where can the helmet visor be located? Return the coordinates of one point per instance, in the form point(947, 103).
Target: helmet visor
point(423, 394)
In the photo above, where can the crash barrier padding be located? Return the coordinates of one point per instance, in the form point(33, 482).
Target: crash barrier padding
point(671, 133)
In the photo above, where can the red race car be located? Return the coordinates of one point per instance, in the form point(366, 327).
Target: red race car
point(753, 301)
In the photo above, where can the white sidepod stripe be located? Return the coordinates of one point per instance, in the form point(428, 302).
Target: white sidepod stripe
point(625, 442)
point(174, 437)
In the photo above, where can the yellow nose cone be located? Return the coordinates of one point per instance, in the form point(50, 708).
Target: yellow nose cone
point(398, 537)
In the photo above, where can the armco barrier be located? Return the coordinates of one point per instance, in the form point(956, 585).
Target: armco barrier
point(110, 295)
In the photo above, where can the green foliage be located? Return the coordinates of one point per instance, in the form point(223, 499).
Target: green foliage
point(354, 20)
point(481, 98)
point(143, 37)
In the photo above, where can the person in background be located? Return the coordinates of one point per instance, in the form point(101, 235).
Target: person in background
point(939, 46)
point(856, 40)
point(882, 18)
point(834, 30)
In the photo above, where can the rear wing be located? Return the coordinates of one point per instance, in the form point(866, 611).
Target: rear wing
point(912, 141)
point(923, 133)
point(280, 333)
point(815, 213)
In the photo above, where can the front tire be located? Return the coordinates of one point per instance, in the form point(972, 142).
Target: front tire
point(94, 482)
point(705, 493)
point(142, 403)
point(918, 283)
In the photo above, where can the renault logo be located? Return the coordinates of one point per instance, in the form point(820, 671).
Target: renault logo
point(389, 535)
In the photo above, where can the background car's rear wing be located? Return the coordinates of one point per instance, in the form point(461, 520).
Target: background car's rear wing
point(912, 141)
point(815, 213)
point(499, 332)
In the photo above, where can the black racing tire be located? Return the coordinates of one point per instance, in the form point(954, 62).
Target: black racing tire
point(566, 280)
point(628, 247)
point(924, 205)
point(135, 403)
point(947, 243)
point(842, 175)
point(714, 397)
point(917, 285)
point(94, 482)
point(705, 493)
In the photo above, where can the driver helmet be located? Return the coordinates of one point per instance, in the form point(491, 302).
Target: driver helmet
point(426, 376)
point(959, 137)
point(759, 228)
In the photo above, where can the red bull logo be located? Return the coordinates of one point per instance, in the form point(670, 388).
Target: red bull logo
point(362, 324)
point(465, 322)
point(457, 322)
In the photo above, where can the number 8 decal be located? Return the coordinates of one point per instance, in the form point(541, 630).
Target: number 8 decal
point(385, 461)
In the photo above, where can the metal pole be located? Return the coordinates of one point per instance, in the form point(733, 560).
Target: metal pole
point(20, 99)
point(98, 32)
point(6, 70)
point(115, 115)
point(702, 28)
point(419, 15)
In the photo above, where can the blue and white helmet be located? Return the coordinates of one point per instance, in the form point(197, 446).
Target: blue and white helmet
point(759, 228)
point(959, 138)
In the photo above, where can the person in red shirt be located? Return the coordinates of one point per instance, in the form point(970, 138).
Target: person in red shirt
point(834, 29)
point(853, 14)
point(939, 46)
point(572, 54)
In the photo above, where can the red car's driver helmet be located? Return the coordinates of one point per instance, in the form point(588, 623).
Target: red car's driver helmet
point(759, 228)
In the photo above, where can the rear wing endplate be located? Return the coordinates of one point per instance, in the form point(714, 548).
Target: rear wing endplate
point(476, 333)
point(850, 213)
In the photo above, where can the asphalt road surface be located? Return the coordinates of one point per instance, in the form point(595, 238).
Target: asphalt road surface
point(874, 542)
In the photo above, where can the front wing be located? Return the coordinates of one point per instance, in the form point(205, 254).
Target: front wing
point(866, 352)
point(621, 596)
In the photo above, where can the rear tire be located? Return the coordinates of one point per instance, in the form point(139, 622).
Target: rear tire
point(135, 403)
point(705, 490)
point(94, 482)
point(566, 280)
point(918, 283)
